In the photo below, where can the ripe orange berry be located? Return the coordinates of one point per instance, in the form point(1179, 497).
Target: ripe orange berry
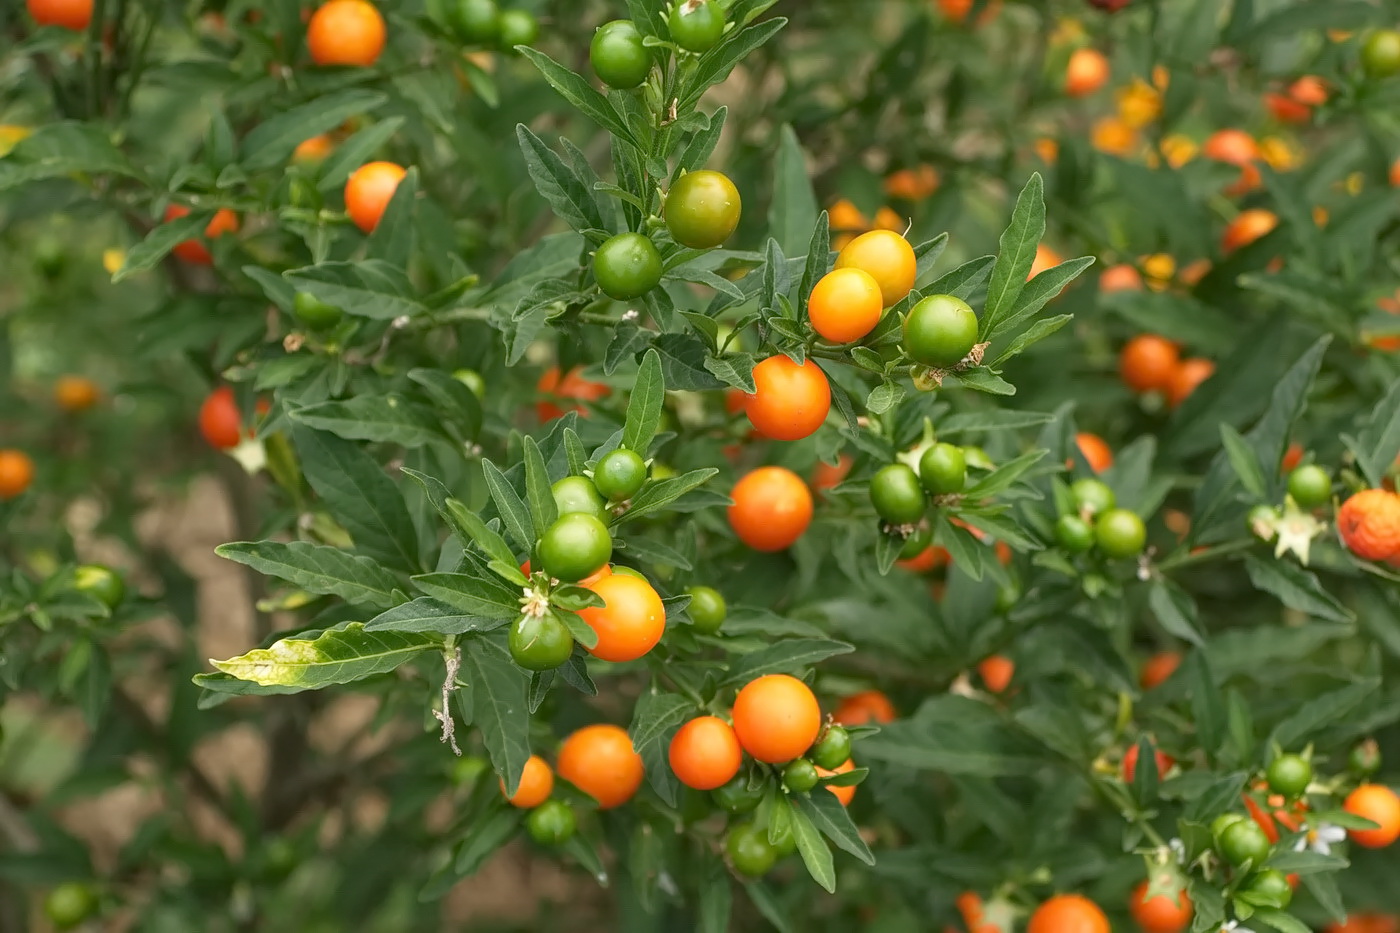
point(536, 784)
point(912, 184)
point(789, 401)
point(1292, 457)
point(930, 558)
point(1095, 450)
point(370, 189)
point(887, 257)
point(1310, 90)
point(220, 421)
point(1231, 145)
point(1287, 110)
point(1130, 760)
point(1365, 923)
point(1068, 913)
point(826, 476)
point(843, 794)
point(314, 149)
point(772, 508)
point(1189, 374)
point(996, 672)
point(600, 761)
point(1086, 73)
point(1047, 149)
point(1112, 136)
point(1158, 668)
point(956, 10)
point(75, 393)
point(16, 473)
point(571, 386)
point(776, 718)
point(193, 251)
point(1379, 804)
point(1148, 363)
point(1120, 278)
point(1162, 913)
point(1045, 258)
point(1369, 524)
point(630, 623)
point(1247, 227)
point(1395, 174)
point(845, 305)
point(845, 216)
point(705, 753)
point(864, 707)
point(70, 14)
point(346, 32)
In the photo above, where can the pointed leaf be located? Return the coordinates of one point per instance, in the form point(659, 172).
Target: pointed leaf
point(335, 657)
point(317, 568)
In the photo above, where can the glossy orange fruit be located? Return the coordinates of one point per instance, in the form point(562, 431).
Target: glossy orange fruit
point(1120, 278)
point(1247, 227)
point(772, 508)
point(846, 217)
point(369, 190)
point(1310, 90)
point(571, 386)
point(1369, 524)
point(600, 761)
point(887, 257)
point(1379, 804)
point(864, 707)
point(536, 784)
point(957, 10)
point(1191, 373)
point(220, 421)
point(193, 251)
point(845, 305)
point(1095, 450)
point(1158, 668)
point(1086, 72)
point(1162, 913)
point(75, 393)
point(1113, 136)
point(776, 718)
point(1148, 363)
point(16, 473)
point(843, 794)
point(790, 401)
point(632, 621)
point(705, 753)
point(1068, 913)
point(314, 149)
point(996, 672)
point(930, 558)
point(70, 14)
point(346, 32)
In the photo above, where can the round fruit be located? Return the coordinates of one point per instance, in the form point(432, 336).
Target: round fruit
point(600, 761)
point(790, 400)
point(627, 266)
point(1364, 759)
point(346, 32)
point(1188, 376)
point(940, 331)
point(1094, 450)
point(1243, 841)
point(1380, 55)
point(518, 27)
point(1270, 888)
point(1369, 524)
point(865, 707)
point(577, 494)
point(1223, 822)
point(1093, 496)
point(369, 190)
point(70, 14)
point(702, 209)
point(887, 257)
point(845, 305)
point(618, 56)
point(75, 393)
point(631, 621)
point(540, 643)
point(220, 421)
point(1380, 805)
point(552, 823)
point(1310, 486)
point(620, 474)
point(193, 251)
point(1148, 363)
point(800, 776)
point(536, 784)
point(736, 796)
point(315, 313)
point(1120, 533)
point(1161, 913)
point(707, 609)
point(844, 793)
point(833, 749)
point(776, 718)
point(917, 542)
point(101, 583)
point(69, 904)
point(772, 508)
point(1086, 72)
point(574, 547)
point(476, 22)
point(705, 753)
point(1289, 775)
point(1158, 668)
point(749, 850)
point(1074, 534)
point(696, 25)
point(897, 496)
point(943, 469)
point(997, 670)
point(16, 473)
point(1068, 913)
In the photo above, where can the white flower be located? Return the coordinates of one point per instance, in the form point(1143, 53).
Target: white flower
point(1234, 927)
point(1178, 849)
point(1296, 529)
point(1320, 839)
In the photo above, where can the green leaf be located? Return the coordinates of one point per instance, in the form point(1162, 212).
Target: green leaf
point(702, 145)
point(316, 568)
point(482, 596)
point(785, 657)
point(644, 407)
point(715, 65)
point(1322, 711)
point(716, 899)
point(161, 240)
point(466, 524)
point(1280, 920)
point(962, 281)
point(1031, 336)
point(831, 817)
point(454, 401)
point(484, 837)
point(356, 151)
point(815, 855)
point(335, 657)
point(272, 142)
point(384, 419)
point(793, 211)
point(371, 288)
point(657, 714)
point(1243, 461)
point(361, 497)
point(426, 614)
point(577, 91)
point(513, 512)
point(1004, 476)
point(733, 369)
point(395, 237)
point(1296, 588)
point(543, 510)
point(1207, 705)
point(572, 200)
point(1379, 442)
point(818, 261)
point(1016, 255)
point(884, 397)
point(1038, 292)
point(1323, 888)
point(1175, 611)
point(656, 496)
point(63, 148)
point(991, 420)
point(497, 688)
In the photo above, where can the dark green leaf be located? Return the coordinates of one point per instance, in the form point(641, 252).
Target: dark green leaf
point(318, 569)
point(334, 657)
point(426, 614)
point(1017, 252)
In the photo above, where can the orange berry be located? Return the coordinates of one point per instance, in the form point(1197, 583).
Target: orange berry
point(571, 386)
point(370, 188)
point(1045, 258)
point(220, 421)
point(1365, 923)
point(346, 32)
point(930, 558)
point(1112, 136)
point(1369, 524)
point(193, 251)
point(956, 10)
point(845, 305)
point(705, 753)
point(912, 184)
point(1158, 668)
point(314, 149)
point(776, 718)
point(845, 216)
point(16, 473)
point(886, 218)
point(1247, 227)
point(864, 707)
point(826, 476)
point(844, 794)
point(75, 393)
point(1189, 374)
point(1292, 456)
point(1379, 804)
point(1068, 913)
point(1120, 278)
point(1095, 450)
point(772, 508)
point(536, 784)
point(1231, 145)
point(1047, 149)
point(996, 672)
point(1162, 913)
point(1310, 90)
point(1148, 363)
point(790, 401)
point(1287, 110)
point(1086, 72)
point(70, 14)
point(1395, 174)
point(631, 621)
point(600, 761)
point(887, 257)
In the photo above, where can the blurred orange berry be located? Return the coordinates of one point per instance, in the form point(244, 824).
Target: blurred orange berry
point(1113, 137)
point(1120, 278)
point(1086, 72)
point(1247, 227)
point(1189, 374)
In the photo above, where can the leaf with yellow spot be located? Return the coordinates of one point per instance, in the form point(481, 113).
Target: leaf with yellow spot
point(334, 657)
